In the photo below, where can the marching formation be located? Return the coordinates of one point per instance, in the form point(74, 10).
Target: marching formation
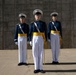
point(38, 33)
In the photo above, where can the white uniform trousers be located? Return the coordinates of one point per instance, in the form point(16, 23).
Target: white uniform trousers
point(37, 51)
point(22, 47)
point(55, 46)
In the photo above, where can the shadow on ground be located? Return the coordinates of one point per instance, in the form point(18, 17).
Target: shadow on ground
point(62, 63)
point(71, 70)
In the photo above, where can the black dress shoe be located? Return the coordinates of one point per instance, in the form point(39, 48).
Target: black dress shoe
point(36, 71)
point(25, 64)
point(19, 64)
point(57, 62)
point(42, 71)
point(54, 62)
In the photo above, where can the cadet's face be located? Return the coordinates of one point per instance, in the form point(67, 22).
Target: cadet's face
point(22, 20)
point(54, 18)
point(37, 17)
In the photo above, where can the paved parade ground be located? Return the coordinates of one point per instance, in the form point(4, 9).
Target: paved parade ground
point(9, 61)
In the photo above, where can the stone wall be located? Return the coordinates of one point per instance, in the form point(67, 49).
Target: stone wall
point(9, 10)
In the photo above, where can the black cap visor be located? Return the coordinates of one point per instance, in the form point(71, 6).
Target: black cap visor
point(22, 17)
point(54, 15)
point(38, 13)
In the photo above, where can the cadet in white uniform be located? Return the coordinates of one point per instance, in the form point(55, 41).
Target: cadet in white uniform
point(20, 38)
point(55, 36)
point(37, 32)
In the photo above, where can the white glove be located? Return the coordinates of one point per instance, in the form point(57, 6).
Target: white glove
point(16, 43)
point(30, 43)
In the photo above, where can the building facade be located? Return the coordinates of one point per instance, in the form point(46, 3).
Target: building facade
point(9, 10)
